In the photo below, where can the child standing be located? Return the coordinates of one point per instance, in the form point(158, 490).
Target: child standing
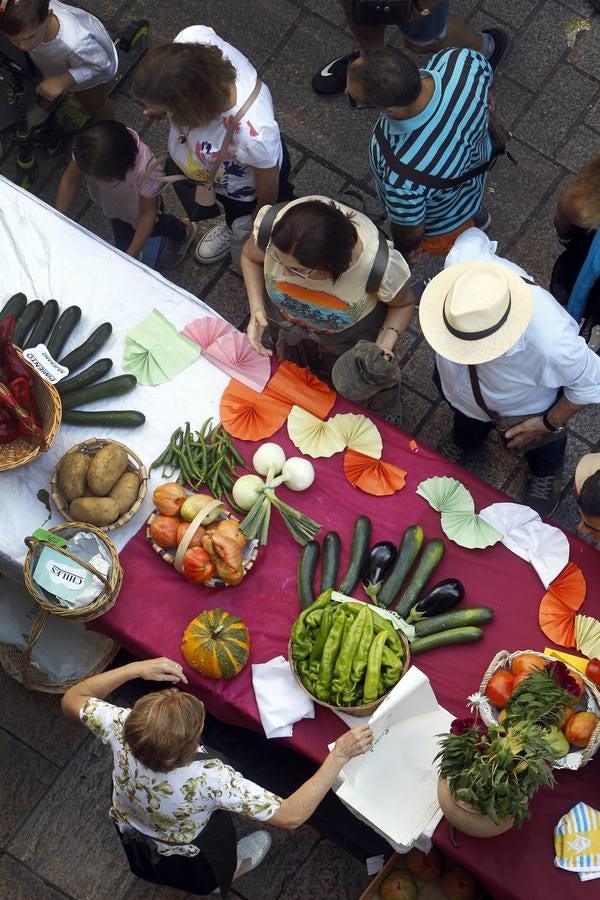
point(71, 48)
point(112, 159)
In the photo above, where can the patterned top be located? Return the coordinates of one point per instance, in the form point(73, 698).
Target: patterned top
point(171, 806)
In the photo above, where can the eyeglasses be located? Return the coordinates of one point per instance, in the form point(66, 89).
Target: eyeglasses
point(354, 105)
point(301, 274)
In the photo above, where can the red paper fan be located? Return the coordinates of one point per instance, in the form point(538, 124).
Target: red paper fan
point(298, 386)
point(569, 587)
point(557, 621)
point(372, 475)
point(250, 416)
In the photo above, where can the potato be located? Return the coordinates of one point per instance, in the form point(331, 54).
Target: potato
point(72, 474)
point(125, 491)
point(106, 468)
point(94, 510)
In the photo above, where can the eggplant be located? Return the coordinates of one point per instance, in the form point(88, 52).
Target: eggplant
point(442, 596)
point(378, 561)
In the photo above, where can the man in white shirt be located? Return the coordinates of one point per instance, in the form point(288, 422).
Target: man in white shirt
point(505, 349)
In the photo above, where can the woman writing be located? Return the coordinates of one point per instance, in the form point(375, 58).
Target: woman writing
point(172, 798)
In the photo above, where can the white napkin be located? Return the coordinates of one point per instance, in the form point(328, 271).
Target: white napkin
point(280, 700)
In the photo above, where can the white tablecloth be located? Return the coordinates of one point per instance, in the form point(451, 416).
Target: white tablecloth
point(46, 255)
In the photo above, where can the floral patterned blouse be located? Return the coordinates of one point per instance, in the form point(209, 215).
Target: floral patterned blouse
point(171, 806)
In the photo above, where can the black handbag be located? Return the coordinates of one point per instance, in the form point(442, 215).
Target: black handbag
point(383, 12)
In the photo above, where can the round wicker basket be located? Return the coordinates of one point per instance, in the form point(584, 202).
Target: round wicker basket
point(90, 448)
point(503, 660)
point(17, 662)
point(112, 584)
point(24, 450)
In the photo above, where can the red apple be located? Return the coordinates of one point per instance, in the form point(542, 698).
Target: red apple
point(458, 884)
point(425, 866)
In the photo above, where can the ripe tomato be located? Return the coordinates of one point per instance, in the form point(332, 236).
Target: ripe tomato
point(526, 662)
point(164, 531)
point(592, 671)
point(568, 713)
point(197, 565)
point(168, 498)
point(579, 728)
point(522, 676)
point(196, 541)
point(499, 688)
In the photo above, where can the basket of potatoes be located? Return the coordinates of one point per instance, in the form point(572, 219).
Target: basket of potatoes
point(99, 481)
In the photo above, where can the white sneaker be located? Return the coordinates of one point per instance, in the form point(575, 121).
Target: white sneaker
point(215, 244)
point(254, 847)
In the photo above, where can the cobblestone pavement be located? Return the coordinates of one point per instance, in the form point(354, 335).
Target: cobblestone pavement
point(55, 839)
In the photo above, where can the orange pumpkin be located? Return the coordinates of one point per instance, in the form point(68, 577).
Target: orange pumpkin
point(216, 644)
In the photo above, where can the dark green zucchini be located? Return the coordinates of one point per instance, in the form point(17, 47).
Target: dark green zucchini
point(14, 306)
point(361, 538)
point(307, 566)
point(411, 543)
point(106, 418)
point(457, 618)
point(464, 635)
point(44, 325)
point(430, 558)
point(330, 560)
point(93, 373)
point(80, 355)
point(27, 321)
point(112, 387)
point(62, 330)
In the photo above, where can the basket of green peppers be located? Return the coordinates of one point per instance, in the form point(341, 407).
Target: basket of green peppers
point(346, 656)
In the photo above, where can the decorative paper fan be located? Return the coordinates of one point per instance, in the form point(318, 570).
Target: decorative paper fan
point(587, 636)
point(446, 494)
point(469, 530)
point(557, 621)
point(230, 351)
point(358, 433)
point(250, 416)
point(372, 475)
point(569, 587)
point(296, 384)
point(311, 435)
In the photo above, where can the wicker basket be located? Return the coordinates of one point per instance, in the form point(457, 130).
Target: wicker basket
point(367, 709)
point(112, 585)
point(90, 448)
point(503, 660)
point(24, 450)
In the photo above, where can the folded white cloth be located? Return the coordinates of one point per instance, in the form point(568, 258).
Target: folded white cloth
point(280, 700)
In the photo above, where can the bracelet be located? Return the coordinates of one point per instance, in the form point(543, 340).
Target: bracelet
point(390, 328)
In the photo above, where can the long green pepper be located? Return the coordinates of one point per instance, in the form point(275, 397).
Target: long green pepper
point(329, 657)
point(371, 688)
point(343, 664)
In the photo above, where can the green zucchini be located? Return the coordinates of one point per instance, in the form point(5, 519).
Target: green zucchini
point(430, 558)
point(465, 635)
point(14, 306)
point(330, 561)
point(307, 566)
point(93, 373)
point(62, 330)
point(44, 325)
point(80, 355)
point(411, 543)
point(27, 321)
point(361, 538)
point(456, 618)
point(108, 418)
point(112, 387)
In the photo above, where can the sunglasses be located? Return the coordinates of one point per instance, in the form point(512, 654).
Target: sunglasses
point(301, 274)
point(354, 105)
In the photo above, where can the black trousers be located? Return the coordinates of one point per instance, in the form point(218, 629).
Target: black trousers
point(166, 226)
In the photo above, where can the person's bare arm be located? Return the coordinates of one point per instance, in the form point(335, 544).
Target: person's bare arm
point(145, 226)
point(67, 187)
point(267, 186)
point(533, 428)
point(55, 85)
point(407, 239)
point(252, 263)
point(399, 314)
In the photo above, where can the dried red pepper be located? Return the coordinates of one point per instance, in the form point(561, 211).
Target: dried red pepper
point(25, 423)
point(19, 412)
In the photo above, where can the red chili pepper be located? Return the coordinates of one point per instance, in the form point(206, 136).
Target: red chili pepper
point(26, 424)
point(8, 431)
point(7, 330)
point(14, 366)
point(21, 389)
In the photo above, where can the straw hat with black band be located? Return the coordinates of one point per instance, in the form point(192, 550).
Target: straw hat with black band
point(474, 312)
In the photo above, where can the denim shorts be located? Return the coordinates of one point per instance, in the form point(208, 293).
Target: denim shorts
point(426, 29)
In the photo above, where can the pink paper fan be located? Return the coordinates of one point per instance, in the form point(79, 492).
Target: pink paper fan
point(230, 350)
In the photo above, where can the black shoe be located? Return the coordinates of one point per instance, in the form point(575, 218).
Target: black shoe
point(500, 45)
point(543, 492)
point(331, 79)
point(453, 452)
point(482, 219)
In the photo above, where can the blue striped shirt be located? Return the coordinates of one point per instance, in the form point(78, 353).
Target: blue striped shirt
point(447, 138)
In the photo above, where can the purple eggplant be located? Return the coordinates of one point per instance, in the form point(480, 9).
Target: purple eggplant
point(377, 563)
point(441, 597)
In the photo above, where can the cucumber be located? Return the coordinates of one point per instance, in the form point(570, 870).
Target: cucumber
point(411, 543)
point(307, 566)
point(456, 618)
point(27, 321)
point(93, 373)
point(330, 561)
point(80, 355)
point(464, 635)
point(14, 306)
point(430, 558)
point(62, 330)
point(361, 538)
point(112, 387)
point(44, 325)
point(109, 418)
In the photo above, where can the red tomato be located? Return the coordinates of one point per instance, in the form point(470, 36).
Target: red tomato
point(592, 671)
point(579, 728)
point(522, 676)
point(196, 541)
point(197, 565)
point(526, 662)
point(168, 498)
point(164, 531)
point(499, 688)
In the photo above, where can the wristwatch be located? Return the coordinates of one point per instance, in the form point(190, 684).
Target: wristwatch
point(555, 429)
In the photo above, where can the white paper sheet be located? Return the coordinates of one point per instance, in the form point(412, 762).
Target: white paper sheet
point(281, 701)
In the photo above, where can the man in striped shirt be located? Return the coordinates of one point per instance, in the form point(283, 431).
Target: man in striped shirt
point(433, 127)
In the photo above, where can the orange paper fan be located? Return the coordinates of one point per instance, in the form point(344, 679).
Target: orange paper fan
point(569, 587)
point(557, 621)
point(372, 475)
point(250, 416)
point(298, 386)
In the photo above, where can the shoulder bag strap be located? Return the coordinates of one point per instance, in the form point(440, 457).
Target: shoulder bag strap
point(266, 225)
point(379, 265)
point(476, 388)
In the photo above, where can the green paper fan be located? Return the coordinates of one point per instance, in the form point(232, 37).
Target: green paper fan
point(469, 530)
point(446, 494)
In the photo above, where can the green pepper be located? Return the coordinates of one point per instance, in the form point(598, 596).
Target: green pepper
point(317, 648)
point(391, 668)
point(329, 656)
point(301, 643)
point(371, 686)
point(343, 665)
point(380, 623)
point(313, 619)
point(359, 663)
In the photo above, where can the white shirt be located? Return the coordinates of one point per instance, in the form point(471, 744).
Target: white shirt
point(257, 141)
point(83, 47)
point(549, 354)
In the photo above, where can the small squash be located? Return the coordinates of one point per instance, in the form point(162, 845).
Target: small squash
point(216, 644)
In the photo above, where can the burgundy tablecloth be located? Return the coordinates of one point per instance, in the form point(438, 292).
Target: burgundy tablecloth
point(156, 604)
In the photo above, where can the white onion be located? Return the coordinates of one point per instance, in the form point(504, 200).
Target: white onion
point(298, 473)
point(269, 457)
point(246, 490)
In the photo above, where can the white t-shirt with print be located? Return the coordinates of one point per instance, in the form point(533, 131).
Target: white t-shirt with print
point(83, 47)
point(325, 305)
point(171, 806)
point(257, 141)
